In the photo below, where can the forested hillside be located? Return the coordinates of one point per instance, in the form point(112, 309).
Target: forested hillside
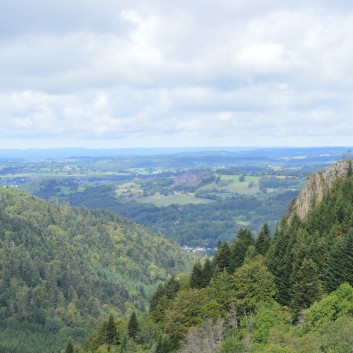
point(62, 269)
point(192, 224)
point(292, 293)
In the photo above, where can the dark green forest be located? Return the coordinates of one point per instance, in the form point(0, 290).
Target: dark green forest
point(63, 269)
point(192, 224)
point(291, 292)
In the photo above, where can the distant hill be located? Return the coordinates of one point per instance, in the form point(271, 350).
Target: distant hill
point(62, 269)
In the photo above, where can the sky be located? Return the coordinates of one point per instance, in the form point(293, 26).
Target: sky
point(186, 73)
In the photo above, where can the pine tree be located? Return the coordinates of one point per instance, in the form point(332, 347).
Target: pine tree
point(306, 285)
point(207, 273)
point(160, 292)
point(133, 326)
point(263, 241)
point(279, 258)
point(240, 246)
point(196, 280)
point(111, 333)
point(341, 263)
point(222, 256)
point(172, 287)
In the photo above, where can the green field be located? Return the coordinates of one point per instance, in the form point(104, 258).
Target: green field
point(130, 188)
point(179, 199)
point(241, 187)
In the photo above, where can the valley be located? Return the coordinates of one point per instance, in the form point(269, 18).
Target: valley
point(77, 276)
point(195, 198)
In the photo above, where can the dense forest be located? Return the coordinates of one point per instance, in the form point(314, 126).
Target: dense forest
point(191, 224)
point(63, 269)
point(288, 293)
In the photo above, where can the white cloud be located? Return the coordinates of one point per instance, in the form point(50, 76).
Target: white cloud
point(186, 73)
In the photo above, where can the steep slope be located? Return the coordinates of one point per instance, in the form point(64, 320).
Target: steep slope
point(63, 268)
point(317, 186)
point(312, 250)
point(291, 294)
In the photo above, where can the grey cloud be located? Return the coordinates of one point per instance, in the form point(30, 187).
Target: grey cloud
point(167, 72)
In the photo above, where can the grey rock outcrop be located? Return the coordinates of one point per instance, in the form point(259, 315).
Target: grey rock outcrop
point(316, 187)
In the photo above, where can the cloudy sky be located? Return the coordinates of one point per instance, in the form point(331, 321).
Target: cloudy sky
point(148, 73)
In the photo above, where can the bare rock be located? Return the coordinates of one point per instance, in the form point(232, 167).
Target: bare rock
point(316, 186)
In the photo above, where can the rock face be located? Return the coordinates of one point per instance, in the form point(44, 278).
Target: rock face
point(316, 187)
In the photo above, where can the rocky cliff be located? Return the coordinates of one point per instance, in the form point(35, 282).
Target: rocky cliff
point(316, 187)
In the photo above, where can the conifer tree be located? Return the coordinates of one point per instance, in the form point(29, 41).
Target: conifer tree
point(341, 263)
point(240, 246)
point(207, 273)
point(111, 333)
point(306, 285)
point(222, 256)
point(160, 292)
point(263, 241)
point(133, 326)
point(172, 287)
point(196, 280)
point(279, 258)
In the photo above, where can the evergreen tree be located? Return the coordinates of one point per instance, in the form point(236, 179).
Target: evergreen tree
point(280, 255)
point(222, 256)
point(263, 241)
point(133, 326)
point(240, 246)
point(160, 292)
point(207, 273)
point(196, 280)
point(166, 345)
point(111, 333)
point(172, 287)
point(306, 285)
point(341, 263)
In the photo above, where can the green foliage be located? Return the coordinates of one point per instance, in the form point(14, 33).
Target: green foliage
point(339, 303)
point(110, 332)
point(253, 283)
point(196, 278)
point(263, 241)
point(271, 348)
point(133, 326)
point(207, 273)
point(167, 344)
point(69, 348)
point(197, 223)
point(317, 250)
point(337, 337)
point(240, 246)
point(105, 336)
point(306, 285)
point(161, 298)
point(222, 290)
point(64, 268)
point(341, 260)
point(190, 308)
point(269, 315)
point(222, 256)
